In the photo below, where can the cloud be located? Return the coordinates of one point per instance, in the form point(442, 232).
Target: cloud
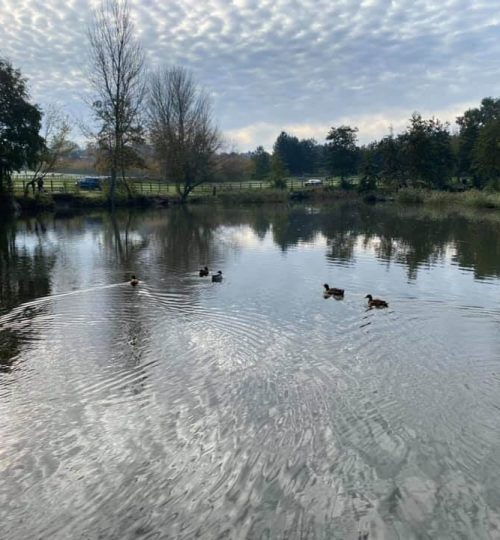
point(281, 64)
point(370, 126)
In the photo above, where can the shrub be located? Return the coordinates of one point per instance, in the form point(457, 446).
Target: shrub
point(410, 196)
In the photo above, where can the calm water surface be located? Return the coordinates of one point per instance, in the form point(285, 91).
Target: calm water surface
point(253, 408)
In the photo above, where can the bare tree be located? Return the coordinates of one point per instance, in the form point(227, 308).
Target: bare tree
point(182, 131)
point(118, 80)
point(55, 133)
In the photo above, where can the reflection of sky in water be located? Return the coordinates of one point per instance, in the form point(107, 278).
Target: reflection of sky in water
point(183, 407)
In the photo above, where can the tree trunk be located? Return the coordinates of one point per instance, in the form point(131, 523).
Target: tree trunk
point(112, 188)
point(27, 187)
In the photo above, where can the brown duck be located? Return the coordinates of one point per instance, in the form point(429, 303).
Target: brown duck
point(376, 302)
point(134, 281)
point(204, 272)
point(333, 291)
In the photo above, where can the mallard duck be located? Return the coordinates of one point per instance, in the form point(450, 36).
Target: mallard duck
point(134, 281)
point(376, 302)
point(217, 278)
point(204, 272)
point(332, 291)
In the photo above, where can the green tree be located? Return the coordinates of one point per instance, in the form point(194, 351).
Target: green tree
point(427, 149)
point(278, 171)
point(287, 147)
point(393, 165)
point(371, 167)
point(20, 122)
point(308, 151)
point(342, 152)
point(487, 152)
point(471, 123)
point(261, 162)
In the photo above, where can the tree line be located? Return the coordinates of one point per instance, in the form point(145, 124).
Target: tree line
point(426, 154)
point(161, 121)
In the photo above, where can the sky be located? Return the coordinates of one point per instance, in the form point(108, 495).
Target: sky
point(273, 65)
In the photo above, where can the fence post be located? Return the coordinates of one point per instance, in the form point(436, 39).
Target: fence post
point(51, 185)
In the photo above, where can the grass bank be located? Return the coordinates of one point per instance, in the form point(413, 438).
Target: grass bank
point(274, 196)
point(79, 201)
point(471, 199)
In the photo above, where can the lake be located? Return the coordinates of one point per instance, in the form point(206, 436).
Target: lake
point(252, 408)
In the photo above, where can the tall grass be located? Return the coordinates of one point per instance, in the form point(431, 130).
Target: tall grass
point(472, 198)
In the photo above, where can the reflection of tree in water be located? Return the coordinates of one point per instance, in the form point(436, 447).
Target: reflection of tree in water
point(10, 346)
point(24, 276)
point(184, 238)
point(24, 269)
point(416, 236)
point(291, 225)
point(121, 239)
point(409, 236)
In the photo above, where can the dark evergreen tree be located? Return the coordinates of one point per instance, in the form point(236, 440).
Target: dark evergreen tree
point(261, 162)
point(20, 122)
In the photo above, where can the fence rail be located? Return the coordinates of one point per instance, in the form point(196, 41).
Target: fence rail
point(69, 184)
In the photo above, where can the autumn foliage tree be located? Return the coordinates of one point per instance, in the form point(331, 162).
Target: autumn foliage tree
point(182, 129)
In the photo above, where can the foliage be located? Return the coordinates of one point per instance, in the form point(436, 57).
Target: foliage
point(410, 196)
point(392, 161)
point(427, 149)
point(471, 123)
point(298, 156)
point(262, 163)
point(278, 172)
point(486, 152)
point(232, 167)
point(371, 169)
point(182, 131)
point(342, 152)
point(20, 142)
point(57, 146)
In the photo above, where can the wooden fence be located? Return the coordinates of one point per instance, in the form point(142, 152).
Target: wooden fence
point(69, 184)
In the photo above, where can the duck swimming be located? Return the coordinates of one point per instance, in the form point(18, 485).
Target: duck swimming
point(332, 291)
point(376, 302)
point(217, 278)
point(204, 272)
point(134, 281)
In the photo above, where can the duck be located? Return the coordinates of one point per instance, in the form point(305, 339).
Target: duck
point(376, 302)
point(217, 278)
point(204, 272)
point(134, 281)
point(332, 291)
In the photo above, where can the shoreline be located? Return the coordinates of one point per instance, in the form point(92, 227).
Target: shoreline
point(77, 203)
